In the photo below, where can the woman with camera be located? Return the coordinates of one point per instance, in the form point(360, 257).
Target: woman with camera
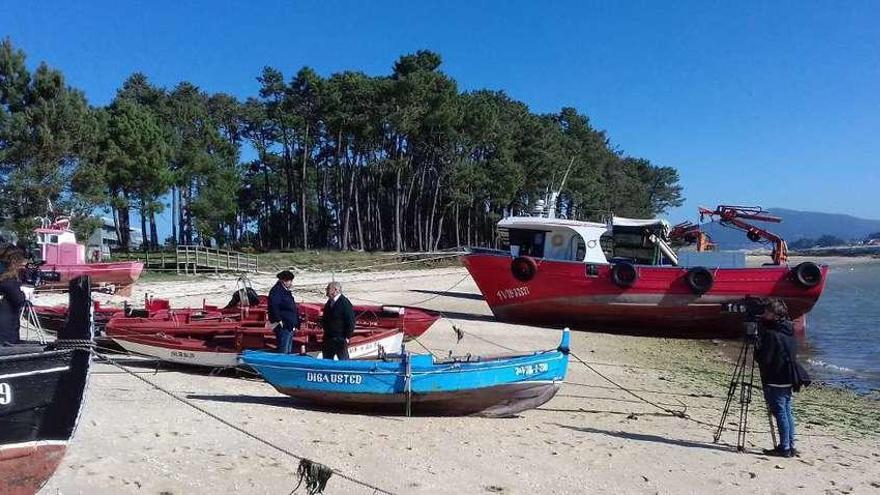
point(12, 299)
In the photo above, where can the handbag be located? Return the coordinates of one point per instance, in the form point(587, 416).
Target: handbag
point(799, 376)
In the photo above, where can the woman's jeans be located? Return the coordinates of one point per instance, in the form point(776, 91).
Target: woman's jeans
point(779, 401)
point(283, 339)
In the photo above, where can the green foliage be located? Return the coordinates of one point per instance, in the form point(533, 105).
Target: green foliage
point(404, 161)
point(829, 240)
point(47, 135)
point(804, 243)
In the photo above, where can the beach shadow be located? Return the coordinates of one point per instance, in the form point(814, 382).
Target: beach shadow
point(455, 315)
point(641, 437)
point(460, 295)
point(283, 402)
point(598, 411)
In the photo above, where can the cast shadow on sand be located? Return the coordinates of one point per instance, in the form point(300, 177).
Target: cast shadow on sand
point(459, 295)
point(283, 402)
point(646, 438)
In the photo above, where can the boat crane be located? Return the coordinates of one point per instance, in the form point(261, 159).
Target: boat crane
point(688, 232)
point(733, 216)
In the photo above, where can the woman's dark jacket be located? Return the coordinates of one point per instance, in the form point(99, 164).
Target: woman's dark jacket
point(282, 307)
point(11, 301)
point(774, 351)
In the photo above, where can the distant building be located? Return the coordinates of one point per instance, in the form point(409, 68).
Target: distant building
point(105, 237)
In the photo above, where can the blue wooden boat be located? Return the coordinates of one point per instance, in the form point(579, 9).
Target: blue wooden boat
point(419, 384)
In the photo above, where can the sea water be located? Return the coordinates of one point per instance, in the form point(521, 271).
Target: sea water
point(842, 345)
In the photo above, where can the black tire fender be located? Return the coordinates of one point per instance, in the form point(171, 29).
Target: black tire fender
point(523, 268)
point(699, 279)
point(624, 274)
point(807, 274)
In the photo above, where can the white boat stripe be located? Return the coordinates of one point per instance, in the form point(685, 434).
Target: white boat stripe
point(33, 443)
point(37, 372)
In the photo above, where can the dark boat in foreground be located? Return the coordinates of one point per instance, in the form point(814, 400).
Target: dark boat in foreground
point(41, 392)
point(419, 384)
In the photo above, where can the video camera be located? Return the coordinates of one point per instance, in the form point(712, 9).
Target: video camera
point(750, 309)
point(33, 274)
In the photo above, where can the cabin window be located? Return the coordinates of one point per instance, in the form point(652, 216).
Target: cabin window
point(578, 248)
point(530, 242)
point(53, 239)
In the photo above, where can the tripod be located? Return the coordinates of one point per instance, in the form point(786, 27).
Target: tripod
point(743, 370)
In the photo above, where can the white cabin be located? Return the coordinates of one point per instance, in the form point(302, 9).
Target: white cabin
point(636, 240)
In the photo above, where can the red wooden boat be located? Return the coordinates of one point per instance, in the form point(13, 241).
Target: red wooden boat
point(214, 339)
point(64, 256)
point(624, 275)
point(414, 321)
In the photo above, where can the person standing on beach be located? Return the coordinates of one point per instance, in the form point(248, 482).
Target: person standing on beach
point(283, 314)
point(12, 299)
point(776, 353)
point(338, 323)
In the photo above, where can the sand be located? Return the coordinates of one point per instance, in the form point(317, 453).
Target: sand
point(591, 438)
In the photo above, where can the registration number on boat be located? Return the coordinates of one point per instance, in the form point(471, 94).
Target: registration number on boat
point(531, 369)
point(183, 354)
point(5, 394)
point(334, 378)
point(505, 294)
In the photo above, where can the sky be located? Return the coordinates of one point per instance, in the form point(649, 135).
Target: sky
point(774, 104)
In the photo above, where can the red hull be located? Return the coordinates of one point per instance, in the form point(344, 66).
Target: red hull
point(121, 274)
point(660, 302)
point(26, 468)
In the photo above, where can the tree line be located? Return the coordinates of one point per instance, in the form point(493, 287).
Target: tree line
point(404, 161)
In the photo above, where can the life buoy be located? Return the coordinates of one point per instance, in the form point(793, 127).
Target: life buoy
point(523, 268)
point(699, 279)
point(624, 274)
point(807, 274)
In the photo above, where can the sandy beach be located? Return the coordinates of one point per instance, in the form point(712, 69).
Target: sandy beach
point(593, 437)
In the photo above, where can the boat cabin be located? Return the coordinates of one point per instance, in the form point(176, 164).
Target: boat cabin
point(623, 239)
point(57, 244)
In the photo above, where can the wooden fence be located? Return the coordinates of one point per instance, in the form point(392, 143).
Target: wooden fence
point(191, 259)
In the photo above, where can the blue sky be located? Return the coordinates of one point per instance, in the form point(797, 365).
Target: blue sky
point(766, 103)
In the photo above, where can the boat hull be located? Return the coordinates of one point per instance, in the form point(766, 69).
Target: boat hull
point(121, 274)
point(494, 402)
point(27, 466)
point(40, 398)
point(497, 386)
point(224, 353)
point(660, 302)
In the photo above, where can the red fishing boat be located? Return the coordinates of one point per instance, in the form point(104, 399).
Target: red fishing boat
point(414, 321)
point(214, 339)
point(625, 275)
point(64, 256)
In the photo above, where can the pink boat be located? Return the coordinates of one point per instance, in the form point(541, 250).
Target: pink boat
point(63, 255)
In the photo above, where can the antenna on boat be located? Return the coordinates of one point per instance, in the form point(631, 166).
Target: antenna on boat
point(551, 198)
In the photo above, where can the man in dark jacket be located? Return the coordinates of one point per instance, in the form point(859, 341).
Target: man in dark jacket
point(338, 323)
point(12, 299)
point(283, 314)
point(775, 351)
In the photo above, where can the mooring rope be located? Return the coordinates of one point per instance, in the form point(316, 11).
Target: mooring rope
point(309, 462)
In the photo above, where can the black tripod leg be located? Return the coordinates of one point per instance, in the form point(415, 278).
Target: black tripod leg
point(735, 380)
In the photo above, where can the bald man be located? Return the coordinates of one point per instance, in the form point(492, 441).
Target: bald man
point(338, 323)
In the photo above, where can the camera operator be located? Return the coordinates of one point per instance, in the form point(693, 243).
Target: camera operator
point(12, 299)
point(775, 351)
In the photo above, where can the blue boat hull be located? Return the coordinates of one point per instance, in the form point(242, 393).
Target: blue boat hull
point(494, 402)
point(497, 386)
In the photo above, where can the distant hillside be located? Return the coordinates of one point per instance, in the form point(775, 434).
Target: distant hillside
point(797, 225)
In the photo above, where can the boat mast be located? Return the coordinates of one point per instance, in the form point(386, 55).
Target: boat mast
point(553, 196)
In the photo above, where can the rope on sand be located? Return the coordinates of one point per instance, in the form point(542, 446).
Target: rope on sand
point(318, 471)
